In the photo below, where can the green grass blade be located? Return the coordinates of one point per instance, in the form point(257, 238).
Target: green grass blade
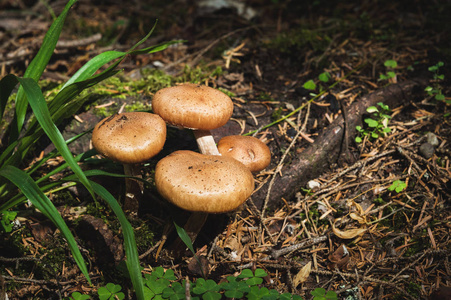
point(155, 48)
point(92, 66)
point(37, 67)
point(30, 189)
point(58, 106)
point(20, 198)
point(131, 251)
point(39, 107)
point(184, 237)
point(7, 85)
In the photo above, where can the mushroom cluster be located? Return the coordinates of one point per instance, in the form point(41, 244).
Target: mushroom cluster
point(217, 180)
point(213, 181)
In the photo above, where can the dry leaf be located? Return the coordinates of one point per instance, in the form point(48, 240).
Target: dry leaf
point(348, 234)
point(360, 219)
point(303, 274)
point(339, 258)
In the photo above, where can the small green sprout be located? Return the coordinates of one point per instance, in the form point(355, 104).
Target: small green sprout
point(322, 294)
point(398, 186)
point(79, 296)
point(7, 220)
point(378, 125)
point(310, 85)
point(324, 77)
point(390, 65)
point(436, 89)
point(110, 292)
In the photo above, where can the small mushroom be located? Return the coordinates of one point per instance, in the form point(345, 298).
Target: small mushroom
point(203, 184)
point(248, 150)
point(196, 107)
point(130, 138)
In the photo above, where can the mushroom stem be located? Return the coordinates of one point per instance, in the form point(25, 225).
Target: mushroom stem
point(133, 188)
point(205, 142)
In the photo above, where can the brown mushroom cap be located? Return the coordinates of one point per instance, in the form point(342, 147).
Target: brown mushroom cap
point(249, 150)
point(203, 183)
point(131, 137)
point(193, 106)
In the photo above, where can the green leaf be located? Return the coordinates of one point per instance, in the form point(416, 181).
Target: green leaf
point(324, 77)
point(385, 107)
point(358, 139)
point(169, 275)
point(440, 97)
point(390, 63)
point(391, 74)
point(184, 237)
point(79, 296)
point(260, 273)
point(175, 292)
point(398, 186)
point(310, 85)
point(37, 67)
point(246, 273)
point(331, 295)
point(211, 296)
point(374, 135)
point(371, 123)
point(31, 190)
point(40, 110)
point(257, 293)
point(7, 85)
point(383, 77)
point(7, 219)
point(113, 288)
point(318, 292)
point(372, 109)
point(158, 285)
point(103, 293)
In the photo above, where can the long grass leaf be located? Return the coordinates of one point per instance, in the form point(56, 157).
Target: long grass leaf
point(39, 107)
point(184, 237)
point(7, 85)
point(92, 66)
point(131, 251)
point(30, 189)
point(37, 67)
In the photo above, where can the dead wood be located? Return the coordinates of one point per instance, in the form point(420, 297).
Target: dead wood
point(326, 149)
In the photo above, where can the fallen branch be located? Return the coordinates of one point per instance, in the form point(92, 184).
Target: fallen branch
point(313, 161)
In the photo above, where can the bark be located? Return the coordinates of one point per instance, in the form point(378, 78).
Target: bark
point(316, 159)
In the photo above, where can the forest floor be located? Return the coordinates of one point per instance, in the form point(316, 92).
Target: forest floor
point(372, 223)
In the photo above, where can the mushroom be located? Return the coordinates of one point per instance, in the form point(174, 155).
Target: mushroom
point(248, 150)
point(202, 184)
point(130, 138)
point(196, 107)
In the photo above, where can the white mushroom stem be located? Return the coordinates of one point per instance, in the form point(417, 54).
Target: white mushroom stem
point(205, 142)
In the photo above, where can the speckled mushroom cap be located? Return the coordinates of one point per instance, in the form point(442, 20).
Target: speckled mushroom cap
point(193, 106)
point(203, 183)
point(249, 150)
point(131, 137)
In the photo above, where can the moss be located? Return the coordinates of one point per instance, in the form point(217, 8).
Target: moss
point(295, 40)
point(277, 114)
point(144, 237)
point(414, 289)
